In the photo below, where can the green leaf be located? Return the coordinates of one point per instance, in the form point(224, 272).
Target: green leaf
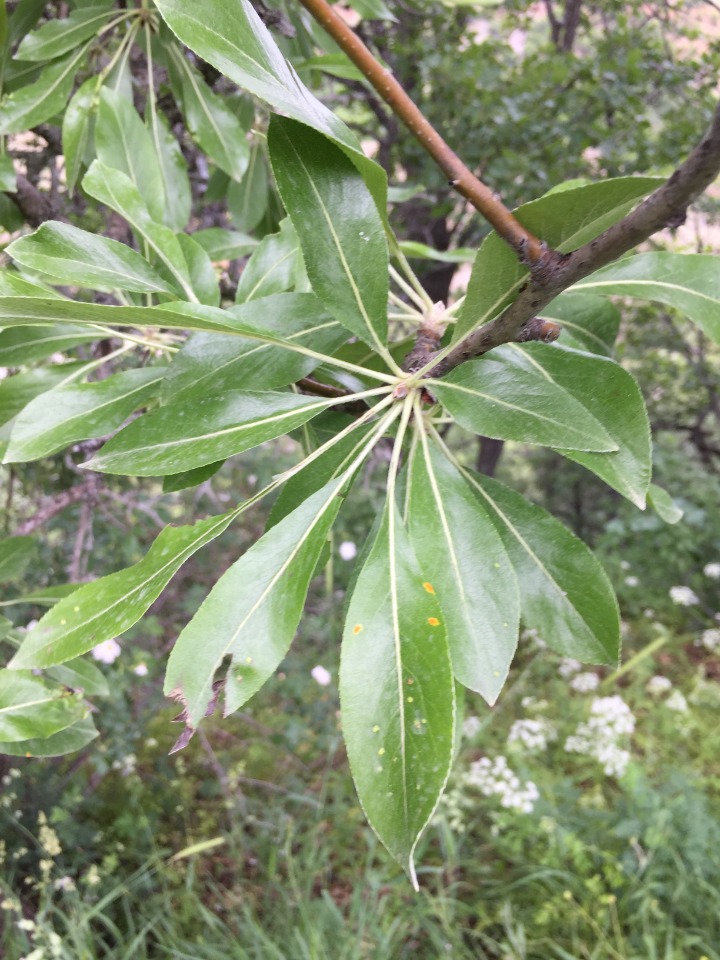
point(22, 345)
point(176, 183)
point(510, 395)
point(123, 142)
point(8, 181)
point(73, 738)
point(211, 122)
point(664, 505)
point(80, 675)
point(13, 285)
point(79, 411)
point(76, 126)
point(252, 612)
point(588, 323)
point(113, 188)
point(173, 482)
point(421, 251)
point(234, 40)
point(565, 221)
point(200, 271)
point(210, 364)
point(271, 268)
point(60, 36)
point(45, 595)
point(30, 707)
point(15, 554)
point(107, 607)
point(247, 199)
point(340, 230)
point(193, 432)
point(464, 562)
point(39, 101)
point(17, 391)
point(222, 244)
point(11, 219)
point(397, 693)
point(75, 256)
point(689, 282)
point(564, 592)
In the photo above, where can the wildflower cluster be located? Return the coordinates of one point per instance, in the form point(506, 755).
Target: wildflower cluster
point(532, 735)
point(585, 682)
point(495, 778)
point(611, 721)
point(684, 596)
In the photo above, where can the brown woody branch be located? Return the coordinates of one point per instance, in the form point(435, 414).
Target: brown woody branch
point(686, 184)
point(56, 505)
point(532, 250)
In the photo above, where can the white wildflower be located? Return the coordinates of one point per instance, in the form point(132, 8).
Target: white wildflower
point(600, 737)
point(657, 685)
point(347, 550)
point(140, 670)
point(712, 570)
point(321, 675)
point(26, 924)
point(684, 596)
point(585, 682)
point(533, 735)
point(64, 883)
point(126, 765)
point(624, 565)
point(710, 639)
point(632, 581)
point(569, 666)
point(677, 701)
point(106, 652)
point(471, 726)
point(495, 778)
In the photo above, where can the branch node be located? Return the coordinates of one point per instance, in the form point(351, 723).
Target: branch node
point(547, 331)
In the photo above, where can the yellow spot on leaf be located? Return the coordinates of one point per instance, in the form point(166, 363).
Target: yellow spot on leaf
point(76, 609)
point(63, 622)
point(248, 659)
point(410, 699)
point(357, 628)
point(496, 673)
point(429, 587)
point(381, 752)
point(410, 680)
point(433, 621)
point(376, 729)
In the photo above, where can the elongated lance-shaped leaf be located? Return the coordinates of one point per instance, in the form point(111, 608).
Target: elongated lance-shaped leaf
point(79, 411)
point(565, 221)
point(461, 554)
point(42, 99)
point(22, 345)
point(664, 505)
point(69, 740)
point(340, 230)
point(31, 707)
point(193, 432)
point(272, 266)
point(70, 255)
point(76, 128)
point(107, 607)
point(124, 143)
point(208, 363)
point(15, 554)
point(510, 396)
point(81, 675)
point(252, 612)
point(57, 37)
point(564, 592)
point(588, 323)
point(397, 692)
point(176, 183)
point(233, 38)
point(17, 391)
point(688, 282)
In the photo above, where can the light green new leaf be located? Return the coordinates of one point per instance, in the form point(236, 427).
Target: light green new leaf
point(271, 268)
point(588, 323)
point(340, 230)
point(222, 244)
point(15, 554)
point(563, 220)
point(508, 395)
point(76, 125)
point(17, 391)
point(201, 274)
point(57, 37)
point(232, 37)
point(462, 556)
point(80, 675)
point(211, 122)
point(79, 411)
point(564, 592)
point(210, 364)
point(21, 345)
point(397, 693)
point(195, 431)
point(247, 199)
point(69, 740)
point(664, 505)
point(30, 105)
point(252, 612)
point(123, 142)
point(107, 607)
point(70, 255)
point(31, 708)
point(13, 285)
point(690, 282)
